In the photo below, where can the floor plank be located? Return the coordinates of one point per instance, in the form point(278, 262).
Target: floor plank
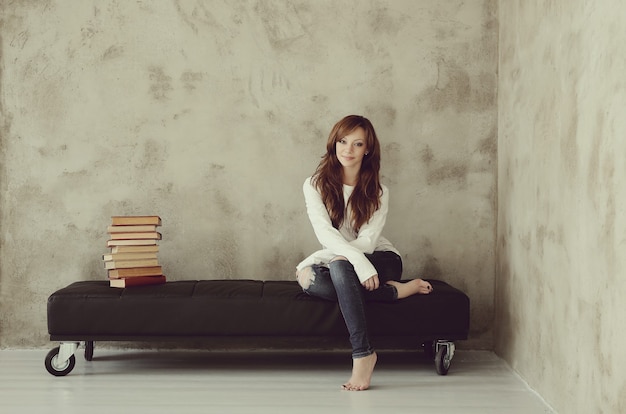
point(259, 382)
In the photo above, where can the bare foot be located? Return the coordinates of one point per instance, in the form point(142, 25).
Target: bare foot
point(406, 289)
point(362, 370)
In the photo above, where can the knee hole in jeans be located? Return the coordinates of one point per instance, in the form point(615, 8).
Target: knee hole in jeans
point(338, 258)
point(306, 277)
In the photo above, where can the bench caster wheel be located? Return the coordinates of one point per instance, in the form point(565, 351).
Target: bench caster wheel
point(56, 368)
point(89, 350)
point(442, 362)
point(443, 356)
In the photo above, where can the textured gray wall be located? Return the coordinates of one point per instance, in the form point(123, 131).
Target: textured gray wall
point(212, 113)
point(561, 284)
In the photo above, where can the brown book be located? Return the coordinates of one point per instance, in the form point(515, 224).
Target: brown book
point(136, 236)
point(126, 264)
point(137, 281)
point(154, 248)
point(129, 256)
point(135, 220)
point(132, 242)
point(135, 272)
point(131, 229)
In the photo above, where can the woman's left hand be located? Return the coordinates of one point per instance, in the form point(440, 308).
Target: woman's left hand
point(372, 283)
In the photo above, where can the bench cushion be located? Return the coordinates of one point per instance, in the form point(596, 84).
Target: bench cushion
point(204, 308)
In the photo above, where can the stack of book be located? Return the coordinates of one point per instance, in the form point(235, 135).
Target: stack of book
point(132, 260)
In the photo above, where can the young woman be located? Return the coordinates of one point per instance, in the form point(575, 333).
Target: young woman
point(347, 206)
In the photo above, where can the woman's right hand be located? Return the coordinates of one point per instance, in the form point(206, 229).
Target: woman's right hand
point(372, 283)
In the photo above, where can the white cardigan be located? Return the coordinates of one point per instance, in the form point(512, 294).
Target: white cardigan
point(345, 241)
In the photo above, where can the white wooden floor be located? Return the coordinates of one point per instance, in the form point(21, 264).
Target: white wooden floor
point(127, 381)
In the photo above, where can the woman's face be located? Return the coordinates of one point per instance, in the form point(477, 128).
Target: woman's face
point(351, 149)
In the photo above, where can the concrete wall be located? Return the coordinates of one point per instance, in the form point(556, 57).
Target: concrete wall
point(212, 113)
point(561, 285)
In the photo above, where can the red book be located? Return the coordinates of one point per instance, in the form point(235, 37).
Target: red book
point(135, 272)
point(137, 281)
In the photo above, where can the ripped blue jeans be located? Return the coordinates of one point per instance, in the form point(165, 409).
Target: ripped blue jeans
point(339, 282)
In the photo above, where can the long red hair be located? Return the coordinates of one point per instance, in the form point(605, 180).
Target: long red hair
point(328, 177)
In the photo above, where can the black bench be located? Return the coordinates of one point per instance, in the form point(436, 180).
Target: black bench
point(276, 312)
